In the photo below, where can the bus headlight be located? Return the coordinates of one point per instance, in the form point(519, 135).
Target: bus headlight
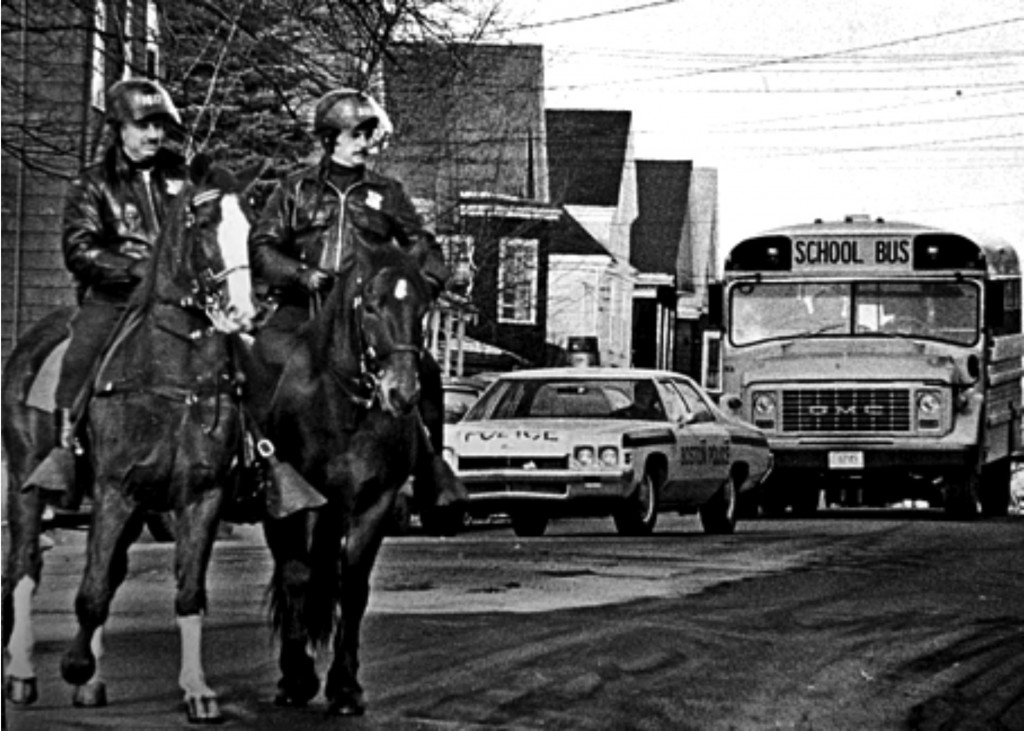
point(929, 410)
point(764, 408)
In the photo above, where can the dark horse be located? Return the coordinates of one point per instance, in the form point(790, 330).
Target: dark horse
point(161, 430)
point(343, 413)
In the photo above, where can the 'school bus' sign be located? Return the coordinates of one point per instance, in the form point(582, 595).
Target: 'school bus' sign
point(831, 253)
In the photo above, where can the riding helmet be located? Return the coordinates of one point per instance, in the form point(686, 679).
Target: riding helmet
point(347, 109)
point(136, 100)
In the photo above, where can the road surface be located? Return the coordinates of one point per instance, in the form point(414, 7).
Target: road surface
point(854, 620)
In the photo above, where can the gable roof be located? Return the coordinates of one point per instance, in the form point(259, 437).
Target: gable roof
point(663, 189)
point(569, 237)
point(586, 155)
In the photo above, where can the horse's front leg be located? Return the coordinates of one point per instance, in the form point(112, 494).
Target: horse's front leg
point(358, 552)
point(22, 568)
point(196, 532)
point(288, 539)
point(115, 526)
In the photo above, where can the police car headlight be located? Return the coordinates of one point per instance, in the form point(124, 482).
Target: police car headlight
point(929, 410)
point(764, 409)
point(609, 456)
point(584, 456)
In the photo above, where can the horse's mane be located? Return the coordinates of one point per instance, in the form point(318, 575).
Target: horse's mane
point(170, 231)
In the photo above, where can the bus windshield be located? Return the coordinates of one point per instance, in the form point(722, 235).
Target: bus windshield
point(945, 311)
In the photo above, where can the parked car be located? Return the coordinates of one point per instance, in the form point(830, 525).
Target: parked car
point(588, 441)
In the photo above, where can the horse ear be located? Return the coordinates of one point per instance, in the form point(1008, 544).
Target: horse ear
point(250, 175)
point(200, 167)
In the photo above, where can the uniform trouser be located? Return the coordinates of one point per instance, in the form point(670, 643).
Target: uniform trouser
point(275, 343)
point(91, 328)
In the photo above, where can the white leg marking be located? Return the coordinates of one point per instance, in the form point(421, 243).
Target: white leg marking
point(96, 645)
point(23, 637)
point(192, 679)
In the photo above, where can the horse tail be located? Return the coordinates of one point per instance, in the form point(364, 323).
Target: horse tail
point(305, 590)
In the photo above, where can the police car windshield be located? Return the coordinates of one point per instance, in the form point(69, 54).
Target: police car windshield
point(945, 311)
point(575, 398)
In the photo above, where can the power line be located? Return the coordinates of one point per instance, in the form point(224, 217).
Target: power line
point(589, 16)
point(808, 56)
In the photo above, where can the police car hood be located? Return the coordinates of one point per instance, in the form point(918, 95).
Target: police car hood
point(866, 360)
point(546, 436)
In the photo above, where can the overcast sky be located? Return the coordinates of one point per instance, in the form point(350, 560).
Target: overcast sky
point(907, 109)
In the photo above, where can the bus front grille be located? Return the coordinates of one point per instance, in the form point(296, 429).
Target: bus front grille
point(869, 410)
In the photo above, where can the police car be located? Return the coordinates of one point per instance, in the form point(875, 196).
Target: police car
point(592, 441)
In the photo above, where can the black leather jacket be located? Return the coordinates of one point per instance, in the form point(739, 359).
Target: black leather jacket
point(308, 215)
point(111, 221)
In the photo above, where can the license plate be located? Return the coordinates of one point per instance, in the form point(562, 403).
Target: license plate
point(846, 460)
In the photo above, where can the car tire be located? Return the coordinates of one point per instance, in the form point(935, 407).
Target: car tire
point(718, 515)
point(640, 513)
point(529, 525)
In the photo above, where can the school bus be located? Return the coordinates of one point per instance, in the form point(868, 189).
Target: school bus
point(881, 359)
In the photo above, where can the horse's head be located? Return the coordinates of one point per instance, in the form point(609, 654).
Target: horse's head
point(215, 229)
point(390, 305)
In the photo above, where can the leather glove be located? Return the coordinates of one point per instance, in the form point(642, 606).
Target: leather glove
point(314, 280)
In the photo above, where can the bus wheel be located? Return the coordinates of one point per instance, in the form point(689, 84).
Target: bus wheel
point(995, 489)
point(962, 495)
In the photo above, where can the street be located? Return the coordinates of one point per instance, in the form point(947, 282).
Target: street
point(883, 619)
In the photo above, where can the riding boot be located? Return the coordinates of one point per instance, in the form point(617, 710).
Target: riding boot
point(440, 496)
point(55, 475)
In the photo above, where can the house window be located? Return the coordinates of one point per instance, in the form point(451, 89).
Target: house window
point(517, 281)
point(152, 41)
point(99, 55)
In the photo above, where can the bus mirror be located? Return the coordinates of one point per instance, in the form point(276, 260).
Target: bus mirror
point(732, 403)
point(715, 305)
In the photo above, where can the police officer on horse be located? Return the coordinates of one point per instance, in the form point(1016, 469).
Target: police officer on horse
point(112, 217)
point(305, 236)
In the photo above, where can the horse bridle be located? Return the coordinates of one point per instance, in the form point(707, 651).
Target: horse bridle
point(208, 287)
point(370, 362)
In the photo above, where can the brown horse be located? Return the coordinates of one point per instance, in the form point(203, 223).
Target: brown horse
point(343, 413)
point(161, 431)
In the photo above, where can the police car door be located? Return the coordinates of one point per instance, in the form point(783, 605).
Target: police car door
point(709, 458)
point(679, 481)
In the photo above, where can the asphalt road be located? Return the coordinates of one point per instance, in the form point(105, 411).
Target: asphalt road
point(854, 620)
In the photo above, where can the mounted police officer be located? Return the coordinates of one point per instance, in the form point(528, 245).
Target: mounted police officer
point(112, 216)
point(305, 235)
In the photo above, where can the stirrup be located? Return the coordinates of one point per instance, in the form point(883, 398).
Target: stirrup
point(54, 478)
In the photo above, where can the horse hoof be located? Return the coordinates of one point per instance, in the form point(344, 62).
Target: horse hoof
point(297, 693)
point(21, 691)
point(205, 710)
point(90, 695)
point(349, 706)
point(346, 705)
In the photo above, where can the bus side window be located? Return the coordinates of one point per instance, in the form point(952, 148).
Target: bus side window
point(994, 301)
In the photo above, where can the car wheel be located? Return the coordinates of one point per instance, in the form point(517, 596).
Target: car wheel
point(718, 515)
point(161, 526)
point(638, 516)
point(529, 525)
